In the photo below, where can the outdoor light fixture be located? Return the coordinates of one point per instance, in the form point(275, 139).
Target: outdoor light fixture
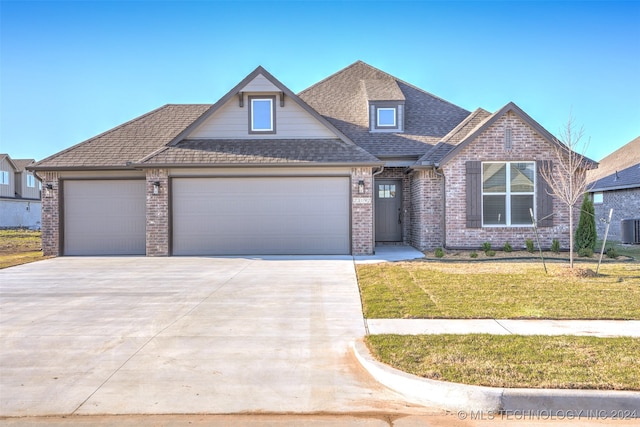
point(361, 186)
point(48, 188)
point(156, 187)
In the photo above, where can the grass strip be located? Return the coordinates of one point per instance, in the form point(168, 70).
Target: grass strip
point(519, 290)
point(514, 361)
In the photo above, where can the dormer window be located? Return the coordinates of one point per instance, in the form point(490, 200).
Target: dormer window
point(262, 114)
point(386, 116)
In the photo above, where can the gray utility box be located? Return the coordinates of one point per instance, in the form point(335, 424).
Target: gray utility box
point(630, 230)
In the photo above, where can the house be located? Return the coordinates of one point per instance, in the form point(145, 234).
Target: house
point(20, 204)
point(616, 185)
point(358, 159)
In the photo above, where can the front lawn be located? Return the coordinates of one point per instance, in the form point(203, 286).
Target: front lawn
point(515, 290)
point(19, 246)
point(566, 362)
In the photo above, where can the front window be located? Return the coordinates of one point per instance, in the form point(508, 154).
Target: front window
point(598, 197)
point(508, 193)
point(31, 181)
point(261, 114)
point(386, 191)
point(4, 177)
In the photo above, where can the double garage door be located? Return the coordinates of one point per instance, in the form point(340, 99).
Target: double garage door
point(212, 216)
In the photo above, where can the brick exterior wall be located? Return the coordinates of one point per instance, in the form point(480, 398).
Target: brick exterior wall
point(527, 145)
point(158, 213)
point(399, 174)
point(50, 214)
point(362, 212)
point(625, 204)
point(427, 213)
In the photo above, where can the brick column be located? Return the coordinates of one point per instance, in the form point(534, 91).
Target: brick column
point(51, 214)
point(362, 212)
point(158, 213)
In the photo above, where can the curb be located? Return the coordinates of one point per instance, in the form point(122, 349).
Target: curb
point(462, 397)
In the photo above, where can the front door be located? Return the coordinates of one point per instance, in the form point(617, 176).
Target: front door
point(388, 210)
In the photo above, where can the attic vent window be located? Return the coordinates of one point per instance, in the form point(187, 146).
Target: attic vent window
point(262, 114)
point(386, 117)
point(507, 139)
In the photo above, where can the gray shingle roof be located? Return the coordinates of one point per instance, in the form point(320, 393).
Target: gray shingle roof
point(626, 178)
point(621, 159)
point(343, 99)
point(129, 142)
point(260, 152)
point(22, 163)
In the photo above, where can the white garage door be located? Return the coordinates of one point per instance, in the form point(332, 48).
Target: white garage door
point(253, 216)
point(104, 217)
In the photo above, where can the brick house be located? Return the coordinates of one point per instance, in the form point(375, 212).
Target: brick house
point(360, 158)
point(616, 185)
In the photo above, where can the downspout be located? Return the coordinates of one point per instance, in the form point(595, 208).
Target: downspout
point(373, 207)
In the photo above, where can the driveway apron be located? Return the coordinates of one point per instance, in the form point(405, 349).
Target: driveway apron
point(138, 335)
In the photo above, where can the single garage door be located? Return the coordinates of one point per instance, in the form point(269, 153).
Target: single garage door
point(260, 216)
point(104, 217)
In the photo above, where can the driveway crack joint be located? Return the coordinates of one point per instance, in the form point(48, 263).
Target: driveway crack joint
point(502, 326)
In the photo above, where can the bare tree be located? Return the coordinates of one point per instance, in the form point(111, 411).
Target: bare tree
point(567, 174)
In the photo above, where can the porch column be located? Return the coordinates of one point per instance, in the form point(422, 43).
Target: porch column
point(362, 212)
point(157, 212)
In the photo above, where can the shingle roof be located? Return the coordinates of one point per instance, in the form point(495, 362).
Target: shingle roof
point(129, 142)
point(621, 159)
point(453, 138)
point(343, 99)
point(260, 152)
point(22, 163)
point(626, 178)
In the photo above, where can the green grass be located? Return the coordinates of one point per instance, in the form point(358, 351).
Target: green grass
point(498, 290)
point(566, 362)
point(19, 246)
point(632, 251)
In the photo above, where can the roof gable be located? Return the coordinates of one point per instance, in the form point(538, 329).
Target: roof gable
point(258, 81)
point(489, 121)
point(9, 161)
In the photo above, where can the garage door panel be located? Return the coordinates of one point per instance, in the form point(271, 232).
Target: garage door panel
point(104, 217)
point(241, 216)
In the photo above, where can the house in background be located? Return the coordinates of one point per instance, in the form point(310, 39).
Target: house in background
point(616, 185)
point(360, 158)
point(20, 190)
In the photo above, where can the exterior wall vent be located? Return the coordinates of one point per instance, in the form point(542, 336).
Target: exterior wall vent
point(630, 231)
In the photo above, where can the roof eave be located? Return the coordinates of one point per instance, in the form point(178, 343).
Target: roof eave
point(257, 165)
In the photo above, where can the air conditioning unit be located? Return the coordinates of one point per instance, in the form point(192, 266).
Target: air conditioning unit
point(630, 230)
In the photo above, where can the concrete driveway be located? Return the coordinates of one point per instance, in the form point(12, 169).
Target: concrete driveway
point(137, 335)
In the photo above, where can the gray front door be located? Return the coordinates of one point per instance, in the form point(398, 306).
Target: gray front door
point(388, 210)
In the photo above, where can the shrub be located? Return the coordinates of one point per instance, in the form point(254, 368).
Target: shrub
point(585, 252)
point(612, 253)
point(486, 246)
point(529, 244)
point(439, 253)
point(474, 254)
point(490, 252)
point(555, 246)
point(507, 247)
point(586, 234)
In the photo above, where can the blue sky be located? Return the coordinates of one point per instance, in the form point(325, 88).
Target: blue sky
point(71, 70)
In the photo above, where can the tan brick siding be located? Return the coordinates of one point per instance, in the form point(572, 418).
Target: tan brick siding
point(362, 213)
point(427, 223)
point(158, 213)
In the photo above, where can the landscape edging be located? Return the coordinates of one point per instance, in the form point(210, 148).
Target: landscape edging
point(463, 397)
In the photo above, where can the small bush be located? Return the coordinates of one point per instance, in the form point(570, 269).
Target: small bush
point(529, 244)
point(507, 247)
point(439, 253)
point(585, 252)
point(555, 246)
point(490, 252)
point(612, 253)
point(486, 246)
point(474, 254)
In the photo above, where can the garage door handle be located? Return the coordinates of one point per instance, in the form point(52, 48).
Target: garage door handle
point(399, 216)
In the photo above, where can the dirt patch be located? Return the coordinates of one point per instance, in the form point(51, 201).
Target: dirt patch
point(576, 272)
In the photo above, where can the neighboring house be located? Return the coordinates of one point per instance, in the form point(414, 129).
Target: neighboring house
point(616, 185)
point(20, 204)
point(357, 159)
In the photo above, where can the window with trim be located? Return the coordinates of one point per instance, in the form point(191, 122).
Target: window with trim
point(31, 181)
point(508, 193)
point(262, 114)
point(386, 117)
point(598, 197)
point(4, 177)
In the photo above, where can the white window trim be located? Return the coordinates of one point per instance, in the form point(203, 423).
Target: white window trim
point(508, 195)
point(31, 181)
point(395, 117)
point(4, 177)
point(271, 100)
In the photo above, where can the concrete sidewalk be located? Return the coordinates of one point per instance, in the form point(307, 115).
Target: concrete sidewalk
point(597, 328)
